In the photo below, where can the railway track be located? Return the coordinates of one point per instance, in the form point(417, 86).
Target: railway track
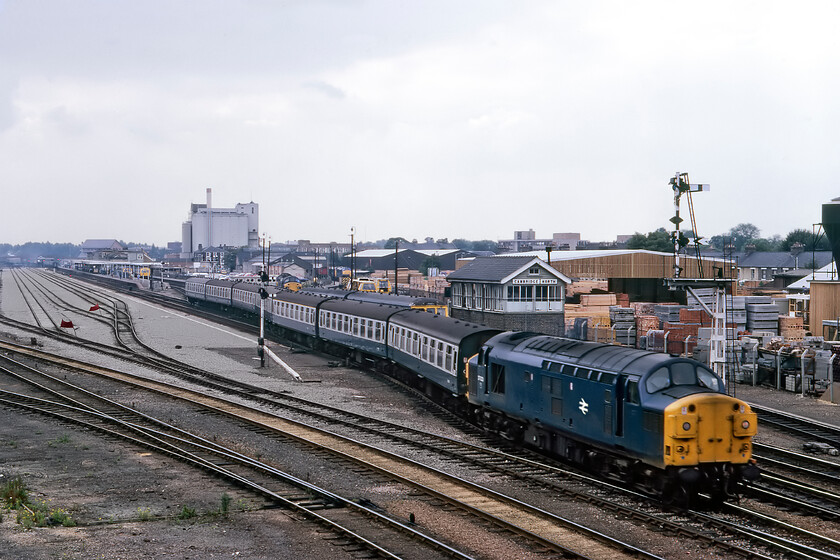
point(514, 466)
point(341, 516)
point(508, 467)
point(541, 527)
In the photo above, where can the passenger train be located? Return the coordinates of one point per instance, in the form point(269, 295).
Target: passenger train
point(656, 421)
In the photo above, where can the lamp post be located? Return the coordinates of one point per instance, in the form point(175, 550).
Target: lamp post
point(396, 268)
point(352, 254)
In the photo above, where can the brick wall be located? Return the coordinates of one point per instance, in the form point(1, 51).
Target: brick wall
point(546, 323)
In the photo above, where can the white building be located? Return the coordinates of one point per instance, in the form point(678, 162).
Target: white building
point(220, 227)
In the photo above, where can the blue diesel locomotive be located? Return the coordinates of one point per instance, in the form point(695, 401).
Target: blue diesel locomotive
point(640, 417)
point(660, 422)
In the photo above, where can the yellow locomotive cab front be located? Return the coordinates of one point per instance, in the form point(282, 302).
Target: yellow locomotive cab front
point(708, 428)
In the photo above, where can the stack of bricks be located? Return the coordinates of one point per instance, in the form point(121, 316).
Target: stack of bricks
point(682, 337)
point(643, 308)
point(645, 323)
point(697, 316)
point(792, 328)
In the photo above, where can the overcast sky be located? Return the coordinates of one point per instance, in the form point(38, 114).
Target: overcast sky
point(446, 119)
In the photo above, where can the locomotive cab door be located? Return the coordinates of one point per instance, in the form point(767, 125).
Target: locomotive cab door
point(478, 379)
point(628, 408)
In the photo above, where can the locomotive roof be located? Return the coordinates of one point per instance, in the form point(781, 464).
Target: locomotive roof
point(439, 326)
point(360, 308)
point(595, 355)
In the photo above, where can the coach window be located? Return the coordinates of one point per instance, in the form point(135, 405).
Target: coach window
point(355, 326)
point(425, 348)
point(440, 354)
point(378, 331)
point(415, 344)
point(370, 329)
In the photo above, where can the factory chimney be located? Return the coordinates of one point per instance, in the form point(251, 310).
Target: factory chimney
point(209, 217)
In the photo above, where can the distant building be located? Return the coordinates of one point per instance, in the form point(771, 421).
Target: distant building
point(527, 241)
point(111, 250)
point(216, 227)
point(763, 266)
point(510, 293)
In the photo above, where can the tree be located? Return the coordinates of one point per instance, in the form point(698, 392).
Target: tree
point(392, 242)
point(229, 260)
point(431, 261)
point(807, 239)
point(483, 245)
point(659, 240)
point(742, 234)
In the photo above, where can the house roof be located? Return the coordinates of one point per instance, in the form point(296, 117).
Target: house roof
point(93, 244)
point(828, 272)
point(772, 259)
point(500, 269)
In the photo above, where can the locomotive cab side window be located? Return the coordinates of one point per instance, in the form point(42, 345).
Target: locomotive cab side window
point(497, 379)
point(633, 391)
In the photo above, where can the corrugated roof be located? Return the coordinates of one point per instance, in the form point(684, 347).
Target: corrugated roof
point(438, 252)
point(377, 253)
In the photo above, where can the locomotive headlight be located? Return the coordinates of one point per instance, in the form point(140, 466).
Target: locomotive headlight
point(680, 449)
point(686, 426)
point(745, 424)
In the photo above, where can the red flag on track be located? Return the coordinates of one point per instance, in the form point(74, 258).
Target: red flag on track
point(95, 307)
point(66, 324)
